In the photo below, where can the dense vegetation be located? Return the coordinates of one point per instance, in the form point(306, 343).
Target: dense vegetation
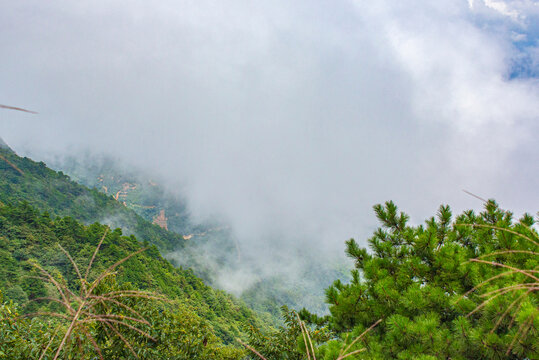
point(449, 289)
point(28, 236)
point(453, 288)
point(47, 190)
point(172, 331)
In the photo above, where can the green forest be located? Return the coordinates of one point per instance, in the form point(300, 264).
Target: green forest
point(455, 287)
point(45, 189)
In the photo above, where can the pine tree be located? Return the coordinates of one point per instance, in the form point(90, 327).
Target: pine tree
point(463, 289)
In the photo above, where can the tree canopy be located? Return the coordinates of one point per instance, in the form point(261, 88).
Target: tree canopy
point(453, 288)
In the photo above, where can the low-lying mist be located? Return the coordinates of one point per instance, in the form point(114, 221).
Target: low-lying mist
point(285, 120)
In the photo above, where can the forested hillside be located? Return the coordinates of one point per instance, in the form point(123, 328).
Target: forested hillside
point(134, 189)
point(26, 180)
point(206, 253)
point(27, 235)
point(33, 203)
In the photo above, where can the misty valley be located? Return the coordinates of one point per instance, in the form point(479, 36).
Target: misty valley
point(269, 180)
point(458, 286)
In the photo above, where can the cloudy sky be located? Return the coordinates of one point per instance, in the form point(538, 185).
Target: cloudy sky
point(289, 119)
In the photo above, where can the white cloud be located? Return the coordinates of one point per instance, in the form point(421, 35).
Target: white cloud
point(503, 9)
point(519, 11)
point(518, 37)
point(290, 119)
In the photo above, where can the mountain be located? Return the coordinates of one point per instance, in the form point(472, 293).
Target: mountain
point(210, 249)
point(3, 145)
point(40, 208)
point(28, 235)
point(47, 190)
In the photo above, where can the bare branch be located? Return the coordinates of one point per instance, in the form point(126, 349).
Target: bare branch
point(253, 350)
point(531, 286)
point(484, 303)
point(501, 229)
point(50, 342)
point(135, 293)
point(101, 299)
point(82, 282)
point(304, 339)
point(509, 252)
point(95, 254)
point(508, 309)
point(522, 329)
point(58, 286)
point(92, 317)
point(123, 339)
point(112, 267)
point(142, 332)
point(94, 343)
point(12, 165)
point(360, 337)
point(475, 196)
point(16, 108)
point(87, 302)
point(351, 353)
point(74, 320)
point(304, 332)
point(67, 306)
point(523, 272)
point(43, 313)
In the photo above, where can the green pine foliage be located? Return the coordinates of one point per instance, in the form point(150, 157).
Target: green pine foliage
point(439, 288)
point(453, 288)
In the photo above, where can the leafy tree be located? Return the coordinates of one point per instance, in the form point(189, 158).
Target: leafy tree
point(21, 338)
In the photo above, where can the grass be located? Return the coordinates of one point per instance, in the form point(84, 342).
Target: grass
point(520, 290)
point(309, 347)
point(16, 108)
point(84, 308)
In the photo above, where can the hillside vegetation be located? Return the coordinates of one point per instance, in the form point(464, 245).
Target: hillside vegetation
point(47, 190)
point(54, 192)
point(463, 287)
point(27, 236)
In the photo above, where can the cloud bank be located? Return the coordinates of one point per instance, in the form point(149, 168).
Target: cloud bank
point(288, 120)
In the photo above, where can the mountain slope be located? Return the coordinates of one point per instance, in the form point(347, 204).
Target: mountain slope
point(211, 249)
point(54, 192)
point(26, 234)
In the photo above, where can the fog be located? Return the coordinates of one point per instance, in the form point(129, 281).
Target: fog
point(288, 120)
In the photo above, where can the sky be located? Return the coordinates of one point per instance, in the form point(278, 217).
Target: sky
point(287, 119)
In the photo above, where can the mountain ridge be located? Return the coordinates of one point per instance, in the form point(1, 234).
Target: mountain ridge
point(41, 195)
